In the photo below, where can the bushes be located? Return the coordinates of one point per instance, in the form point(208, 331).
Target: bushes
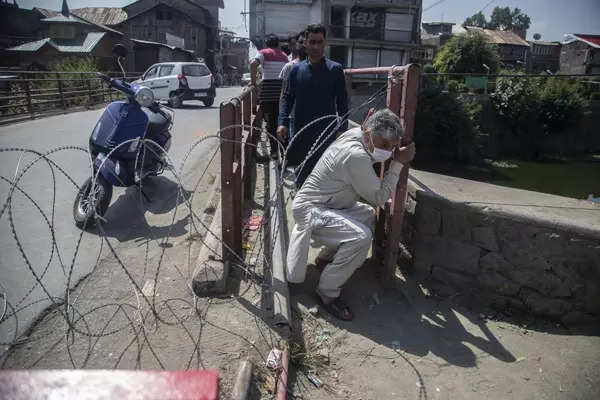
point(528, 118)
point(446, 126)
point(534, 108)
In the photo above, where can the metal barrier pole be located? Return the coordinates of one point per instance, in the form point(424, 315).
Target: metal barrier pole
point(28, 96)
point(230, 202)
point(407, 107)
point(60, 91)
point(248, 146)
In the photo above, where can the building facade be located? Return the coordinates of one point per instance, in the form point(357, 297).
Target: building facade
point(366, 34)
point(513, 50)
point(545, 57)
point(61, 35)
point(580, 54)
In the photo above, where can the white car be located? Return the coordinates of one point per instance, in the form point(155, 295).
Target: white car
point(179, 81)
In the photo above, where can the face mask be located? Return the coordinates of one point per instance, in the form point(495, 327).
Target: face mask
point(379, 155)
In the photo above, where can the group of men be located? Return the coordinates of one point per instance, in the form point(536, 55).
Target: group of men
point(305, 104)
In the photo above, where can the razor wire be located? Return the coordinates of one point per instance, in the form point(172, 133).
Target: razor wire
point(136, 316)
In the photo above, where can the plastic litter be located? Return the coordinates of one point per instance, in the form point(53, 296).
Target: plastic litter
point(314, 380)
point(253, 223)
point(274, 360)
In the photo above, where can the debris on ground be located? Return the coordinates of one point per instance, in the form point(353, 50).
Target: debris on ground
point(253, 223)
point(274, 360)
point(314, 380)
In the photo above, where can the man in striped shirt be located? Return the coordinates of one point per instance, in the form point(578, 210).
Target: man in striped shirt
point(272, 59)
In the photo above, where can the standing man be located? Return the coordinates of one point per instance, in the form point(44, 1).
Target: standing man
point(272, 60)
point(292, 47)
point(285, 72)
point(317, 87)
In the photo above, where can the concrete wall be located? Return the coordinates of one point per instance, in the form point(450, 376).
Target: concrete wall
point(547, 266)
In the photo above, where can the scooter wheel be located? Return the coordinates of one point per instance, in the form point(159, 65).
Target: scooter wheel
point(87, 199)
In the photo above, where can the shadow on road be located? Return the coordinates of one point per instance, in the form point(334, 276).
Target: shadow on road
point(128, 217)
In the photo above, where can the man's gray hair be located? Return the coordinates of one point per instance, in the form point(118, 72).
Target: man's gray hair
point(385, 124)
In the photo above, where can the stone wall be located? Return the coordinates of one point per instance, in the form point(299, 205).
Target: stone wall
point(511, 261)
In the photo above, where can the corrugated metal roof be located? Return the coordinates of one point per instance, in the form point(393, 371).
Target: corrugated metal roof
point(102, 15)
point(499, 37)
point(56, 16)
point(80, 45)
point(32, 46)
point(544, 43)
point(63, 18)
point(46, 12)
point(90, 41)
point(592, 40)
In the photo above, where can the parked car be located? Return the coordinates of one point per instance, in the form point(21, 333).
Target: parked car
point(179, 81)
point(246, 79)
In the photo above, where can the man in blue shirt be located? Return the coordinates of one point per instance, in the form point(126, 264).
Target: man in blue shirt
point(318, 88)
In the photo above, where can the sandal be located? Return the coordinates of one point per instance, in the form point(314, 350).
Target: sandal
point(338, 309)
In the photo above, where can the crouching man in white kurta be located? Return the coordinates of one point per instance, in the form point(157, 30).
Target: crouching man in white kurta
point(327, 208)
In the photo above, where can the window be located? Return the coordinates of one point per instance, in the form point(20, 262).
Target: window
point(391, 57)
point(195, 70)
point(338, 22)
point(151, 73)
point(166, 70)
point(398, 27)
point(363, 58)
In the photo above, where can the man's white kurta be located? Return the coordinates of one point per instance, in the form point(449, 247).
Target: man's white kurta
point(327, 208)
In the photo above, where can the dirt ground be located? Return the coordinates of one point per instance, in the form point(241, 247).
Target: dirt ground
point(409, 344)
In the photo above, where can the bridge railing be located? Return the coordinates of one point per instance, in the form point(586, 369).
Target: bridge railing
point(401, 98)
point(27, 94)
point(240, 130)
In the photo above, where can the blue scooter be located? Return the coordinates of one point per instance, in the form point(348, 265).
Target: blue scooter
point(120, 156)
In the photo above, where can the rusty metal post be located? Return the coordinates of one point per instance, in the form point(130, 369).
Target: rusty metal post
point(349, 87)
point(231, 215)
point(60, 91)
point(407, 107)
point(248, 146)
point(89, 85)
point(28, 98)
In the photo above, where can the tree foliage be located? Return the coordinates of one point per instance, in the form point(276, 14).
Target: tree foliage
point(502, 18)
point(477, 20)
point(534, 108)
point(467, 53)
point(446, 126)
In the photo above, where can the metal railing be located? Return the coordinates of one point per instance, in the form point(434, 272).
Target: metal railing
point(240, 129)
point(28, 94)
point(402, 97)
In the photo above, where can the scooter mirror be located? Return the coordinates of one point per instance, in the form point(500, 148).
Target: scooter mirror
point(119, 50)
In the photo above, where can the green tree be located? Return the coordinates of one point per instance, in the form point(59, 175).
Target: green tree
point(505, 19)
point(478, 20)
point(466, 53)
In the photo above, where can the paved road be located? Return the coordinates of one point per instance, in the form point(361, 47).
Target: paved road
point(16, 279)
